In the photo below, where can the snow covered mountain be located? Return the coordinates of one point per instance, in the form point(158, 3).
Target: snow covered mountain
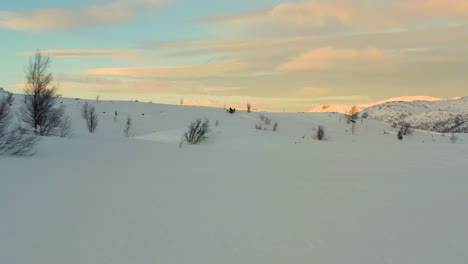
point(444, 116)
point(345, 108)
point(421, 112)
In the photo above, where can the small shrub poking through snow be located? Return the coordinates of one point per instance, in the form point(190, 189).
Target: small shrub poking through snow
point(405, 128)
point(400, 135)
point(13, 141)
point(320, 134)
point(275, 126)
point(260, 127)
point(265, 119)
point(91, 116)
point(453, 138)
point(128, 127)
point(197, 131)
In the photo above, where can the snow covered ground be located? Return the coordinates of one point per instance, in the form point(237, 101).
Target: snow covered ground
point(241, 196)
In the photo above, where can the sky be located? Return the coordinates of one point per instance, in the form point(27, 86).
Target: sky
point(276, 55)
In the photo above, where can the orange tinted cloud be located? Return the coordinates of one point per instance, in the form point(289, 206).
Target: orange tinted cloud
point(187, 71)
point(63, 18)
point(304, 14)
point(438, 8)
point(319, 15)
point(326, 57)
point(309, 92)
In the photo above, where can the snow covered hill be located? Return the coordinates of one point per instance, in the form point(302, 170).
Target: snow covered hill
point(345, 108)
point(443, 116)
point(422, 112)
point(241, 196)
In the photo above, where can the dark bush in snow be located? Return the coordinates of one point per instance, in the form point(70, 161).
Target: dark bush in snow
point(320, 134)
point(265, 119)
point(13, 141)
point(400, 135)
point(128, 127)
point(197, 131)
point(92, 120)
point(88, 112)
point(10, 98)
point(275, 126)
point(406, 128)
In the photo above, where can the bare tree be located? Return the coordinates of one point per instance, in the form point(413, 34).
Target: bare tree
point(197, 131)
point(40, 111)
point(92, 120)
point(89, 114)
point(85, 110)
point(275, 126)
point(128, 127)
point(13, 141)
point(5, 117)
point(353, 114)
point(10, 99)
point(406, 128)
point(320, 134)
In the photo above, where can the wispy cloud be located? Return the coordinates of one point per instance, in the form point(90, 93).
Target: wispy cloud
point(66, 18)
point(313, 92)
point(337, 16)
point(83, 53)
point(300, 15)
point(319, 16)
point(182, 71)
point(448, 9)
point(86, 79)
point(326, 57)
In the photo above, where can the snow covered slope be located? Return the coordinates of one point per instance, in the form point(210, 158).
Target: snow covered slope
point(345, 108)
point(241, 196)
point(441, 116)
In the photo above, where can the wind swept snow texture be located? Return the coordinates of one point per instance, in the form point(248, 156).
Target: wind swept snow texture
point(242, 196)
